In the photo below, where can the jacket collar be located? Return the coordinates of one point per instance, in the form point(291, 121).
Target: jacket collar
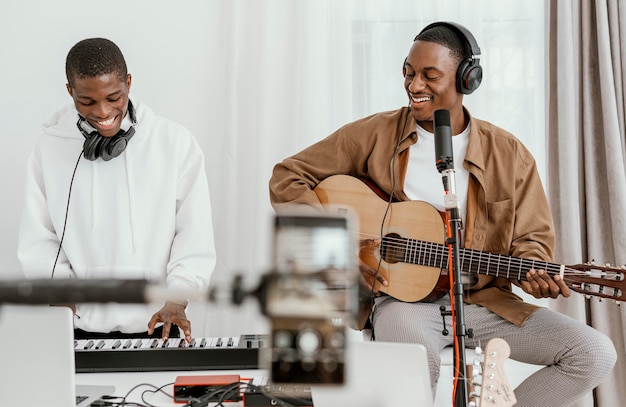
point(474, 154)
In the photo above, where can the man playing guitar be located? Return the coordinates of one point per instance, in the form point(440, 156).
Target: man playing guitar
point(504, 212)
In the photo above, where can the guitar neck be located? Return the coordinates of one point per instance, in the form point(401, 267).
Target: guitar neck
point(471, 261)
point(474, 261)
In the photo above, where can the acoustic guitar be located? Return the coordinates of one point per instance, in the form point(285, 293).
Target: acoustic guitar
point(414, 259)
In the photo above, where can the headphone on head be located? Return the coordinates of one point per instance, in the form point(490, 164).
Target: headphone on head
point(469, 73)
point(97, 146)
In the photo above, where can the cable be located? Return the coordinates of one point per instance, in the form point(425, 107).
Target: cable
point(108, 401)
point(457, 365)
point(390, 200)
point(217, 396)
point(67, 209)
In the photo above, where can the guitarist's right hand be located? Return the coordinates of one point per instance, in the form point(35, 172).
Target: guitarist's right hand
point(368, 274)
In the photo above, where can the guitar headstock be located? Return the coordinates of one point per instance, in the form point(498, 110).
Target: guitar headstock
point(597, 281)
point(495, 389)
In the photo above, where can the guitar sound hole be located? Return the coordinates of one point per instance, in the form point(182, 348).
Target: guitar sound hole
point(393, 248)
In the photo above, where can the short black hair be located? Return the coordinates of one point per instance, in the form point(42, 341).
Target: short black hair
point(448, 37)
point(94, 57)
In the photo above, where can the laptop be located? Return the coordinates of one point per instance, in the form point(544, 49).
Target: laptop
point(380, 374)
point(37, 357)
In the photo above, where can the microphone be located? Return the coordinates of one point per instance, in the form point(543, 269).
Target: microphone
point(76, 291)
point(444, 157)
point(443, 140)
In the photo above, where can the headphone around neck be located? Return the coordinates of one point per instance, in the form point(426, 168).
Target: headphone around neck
point(469, 73)
point(97, 146)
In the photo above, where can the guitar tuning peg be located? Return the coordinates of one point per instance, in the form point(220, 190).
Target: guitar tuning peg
point(478, 350)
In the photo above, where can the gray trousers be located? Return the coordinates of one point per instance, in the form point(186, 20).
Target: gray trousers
point(576, 357)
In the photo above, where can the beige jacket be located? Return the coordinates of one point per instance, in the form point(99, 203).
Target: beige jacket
point(507, 210)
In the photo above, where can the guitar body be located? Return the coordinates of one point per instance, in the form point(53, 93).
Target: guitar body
point(411, 219)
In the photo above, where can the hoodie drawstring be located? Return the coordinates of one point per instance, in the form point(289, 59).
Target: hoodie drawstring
point(131, 201)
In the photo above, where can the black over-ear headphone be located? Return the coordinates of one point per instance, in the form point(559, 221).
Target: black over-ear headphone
point(97, 146)
point(469, 73)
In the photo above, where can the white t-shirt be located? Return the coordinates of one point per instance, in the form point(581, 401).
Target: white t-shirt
point(424, 182)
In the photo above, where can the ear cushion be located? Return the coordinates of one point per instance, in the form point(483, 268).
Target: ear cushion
point(105, 147)
point(91, 146)
point(112, 147)
point(96, 146)
point(469, 76)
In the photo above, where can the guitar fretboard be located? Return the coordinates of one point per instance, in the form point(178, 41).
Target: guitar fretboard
point(398, 249)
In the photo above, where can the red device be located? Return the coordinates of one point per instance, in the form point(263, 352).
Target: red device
point(193, 387)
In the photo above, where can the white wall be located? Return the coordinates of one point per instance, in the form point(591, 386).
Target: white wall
point(159, 41)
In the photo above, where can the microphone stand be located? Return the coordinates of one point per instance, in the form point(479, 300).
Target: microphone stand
point(454, 225)
point(445, 165)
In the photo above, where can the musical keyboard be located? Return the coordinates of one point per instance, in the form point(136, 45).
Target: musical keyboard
point(152, 354)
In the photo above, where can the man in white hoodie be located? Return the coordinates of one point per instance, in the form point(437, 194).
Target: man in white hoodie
point(114, 191)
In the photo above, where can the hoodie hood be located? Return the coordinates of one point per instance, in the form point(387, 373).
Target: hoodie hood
point(62, 123)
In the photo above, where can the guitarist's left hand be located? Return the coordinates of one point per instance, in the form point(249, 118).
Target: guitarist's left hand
point(540, 284)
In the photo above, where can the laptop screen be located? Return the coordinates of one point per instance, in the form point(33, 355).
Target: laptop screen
point(37, 354)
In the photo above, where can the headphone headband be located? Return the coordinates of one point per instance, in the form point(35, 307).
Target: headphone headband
point(463, 32)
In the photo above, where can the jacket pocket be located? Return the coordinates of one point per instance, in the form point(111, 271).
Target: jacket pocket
point(500, 221)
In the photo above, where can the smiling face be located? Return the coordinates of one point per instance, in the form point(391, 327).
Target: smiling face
point(102, 100)
point(430, 83)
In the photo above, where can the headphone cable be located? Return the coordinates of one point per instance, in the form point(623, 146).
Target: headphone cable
point(67, 208)
point(390, 200)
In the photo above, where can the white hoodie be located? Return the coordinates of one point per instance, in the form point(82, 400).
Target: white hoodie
point(144, 214)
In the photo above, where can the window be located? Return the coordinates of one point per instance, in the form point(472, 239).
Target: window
point(511, 38)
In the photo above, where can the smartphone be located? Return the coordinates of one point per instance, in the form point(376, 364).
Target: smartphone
point(311, 295)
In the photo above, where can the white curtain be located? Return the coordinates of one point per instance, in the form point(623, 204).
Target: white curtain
point(587, 139)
